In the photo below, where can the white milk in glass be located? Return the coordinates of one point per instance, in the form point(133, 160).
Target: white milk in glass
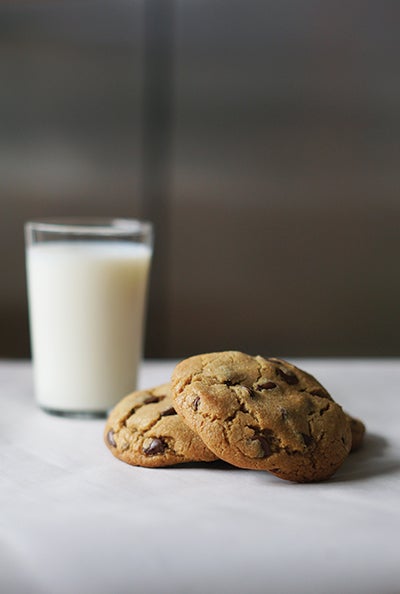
point(87, 311)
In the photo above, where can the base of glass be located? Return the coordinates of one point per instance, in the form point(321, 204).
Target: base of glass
point(75, 414)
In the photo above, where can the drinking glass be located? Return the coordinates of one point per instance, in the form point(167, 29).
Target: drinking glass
point(87, 290)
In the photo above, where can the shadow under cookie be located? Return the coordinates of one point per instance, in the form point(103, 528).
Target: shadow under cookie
point(371, 460)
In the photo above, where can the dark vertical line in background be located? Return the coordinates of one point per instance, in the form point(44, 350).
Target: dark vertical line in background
point(156, 159)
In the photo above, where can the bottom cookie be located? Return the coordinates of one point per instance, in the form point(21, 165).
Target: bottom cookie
point(357, 432)
point(143, 429)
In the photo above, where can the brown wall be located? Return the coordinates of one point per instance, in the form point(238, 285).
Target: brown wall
point(263, 142)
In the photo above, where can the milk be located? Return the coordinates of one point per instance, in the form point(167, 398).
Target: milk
point(87, 310)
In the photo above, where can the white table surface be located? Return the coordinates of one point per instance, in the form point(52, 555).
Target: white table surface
point(75, 520)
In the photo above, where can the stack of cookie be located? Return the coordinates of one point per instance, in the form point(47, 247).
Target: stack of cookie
point(255, 413)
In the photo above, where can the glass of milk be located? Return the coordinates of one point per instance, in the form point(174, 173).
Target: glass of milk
point(87, 288)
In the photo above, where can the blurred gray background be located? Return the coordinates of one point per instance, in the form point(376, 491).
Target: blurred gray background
point(261, 138)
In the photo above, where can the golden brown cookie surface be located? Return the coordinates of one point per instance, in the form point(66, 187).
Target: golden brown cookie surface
point(263, 414)
point(143, 429)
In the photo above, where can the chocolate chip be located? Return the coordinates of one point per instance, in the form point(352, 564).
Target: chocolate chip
point(156, 446)
point(110, 439)
point(319, 392)
point(265, 446)
point(151, 399)
point(196, 402)
point(266, 386)
point(289, 377)
point(252, 393)
point(170, 411)
point(308, 439)
point(235, 381)
point(266, 440)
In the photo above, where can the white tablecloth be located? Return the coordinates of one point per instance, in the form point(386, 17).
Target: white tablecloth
point(75, 520)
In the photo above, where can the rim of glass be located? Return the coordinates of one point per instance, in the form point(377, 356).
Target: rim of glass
point(90, 226)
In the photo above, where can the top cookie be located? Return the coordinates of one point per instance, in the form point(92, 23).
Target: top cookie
point(143, 429)
point(262, 413)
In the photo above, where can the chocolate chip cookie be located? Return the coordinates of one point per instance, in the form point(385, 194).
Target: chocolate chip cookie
point(144, 430)
point(263, 414)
